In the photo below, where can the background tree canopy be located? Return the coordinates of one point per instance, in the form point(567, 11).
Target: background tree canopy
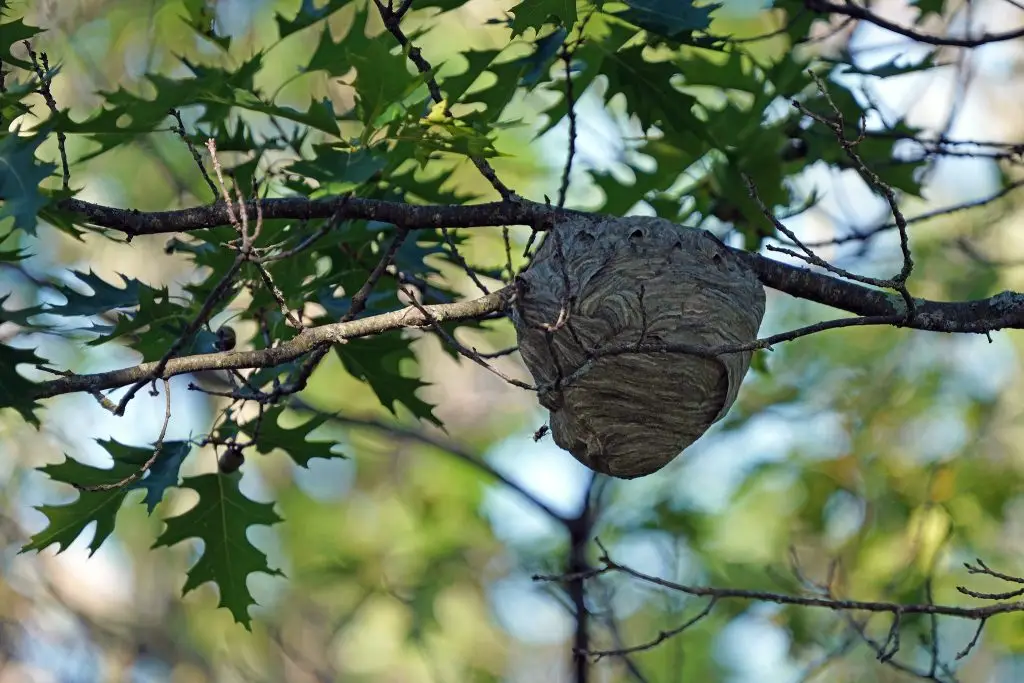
point(256, 265)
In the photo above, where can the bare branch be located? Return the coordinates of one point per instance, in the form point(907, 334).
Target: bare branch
point(180, 130)
point(660, 638)
point(41, 65)
point(834, 604)
point(406, 434)
point(306, 341)
point(857, 12)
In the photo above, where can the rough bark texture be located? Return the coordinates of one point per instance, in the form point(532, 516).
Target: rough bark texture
point(601, 283)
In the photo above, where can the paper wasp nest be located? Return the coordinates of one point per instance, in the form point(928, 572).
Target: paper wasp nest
point(597, 288)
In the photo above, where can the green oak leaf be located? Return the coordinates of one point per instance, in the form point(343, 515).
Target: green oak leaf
point(588, 63)
point(845, 63)
point(538, 64)
point(536, 13)
point(383, 80)
point(928, 7)
point(308, 15)
point(478, 61)
point(221, 519)
point(18, 253)
point(162, 474)
point(291, 440)
point(21, 175)
point(20, 316)
point(200, 16)
point(443, 5)
point(15, 390)
point(378, 362)
point(652, 98)
point(156, 326)
point(11, 33)
point(343, 168)
point(67, 522)
point(668, 18)
point(105, 297)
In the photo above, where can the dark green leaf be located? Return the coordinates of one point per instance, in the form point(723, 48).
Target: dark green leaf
point(378, 363)
point(734, 71)
point(20, 316)
point(320, 115)
point(67, 522)
point(343, 168)
point(668, 18)
point(12, 32)
point(154, 327)
point(163, 473)
point(201, 17)
point(308, 15)
point(221, 519)
point(105, 297)
point(291, 440)
point(653, 99)
point(587, 65)
point(15, 390)
point(454, 87)
point(443, 5)
point(535, 13)
point(21, 175)
point(897, 66)
point(537, 64)
point(383, 79)
point(928, 7)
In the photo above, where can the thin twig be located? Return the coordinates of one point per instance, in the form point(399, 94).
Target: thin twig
point(423, 437)
point(41, 65)
point(278, 295)
point(392, 22)
point(180, 130)
point(864, 235)
point(218, 292)
point(566, 56)
point(157, 449)
point(834, 604)
point(660, 638)
point(469, 353)
point(861, 13)
point(462, 261)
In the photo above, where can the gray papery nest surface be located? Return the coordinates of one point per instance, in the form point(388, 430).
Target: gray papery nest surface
point(601, 297)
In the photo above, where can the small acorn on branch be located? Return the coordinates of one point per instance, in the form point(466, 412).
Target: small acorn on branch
point(231, 459)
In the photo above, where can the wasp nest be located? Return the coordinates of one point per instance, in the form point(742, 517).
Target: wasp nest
point(600, 298)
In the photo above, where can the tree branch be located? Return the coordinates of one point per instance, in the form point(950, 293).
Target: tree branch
point(825, 602)
point(307, 340)
point(1005, 310)
point(853, 11)
point(412, 216)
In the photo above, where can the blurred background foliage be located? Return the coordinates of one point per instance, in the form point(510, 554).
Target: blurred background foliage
point(895, 453)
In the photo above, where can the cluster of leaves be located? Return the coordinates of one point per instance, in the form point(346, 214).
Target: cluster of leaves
point(657, 60)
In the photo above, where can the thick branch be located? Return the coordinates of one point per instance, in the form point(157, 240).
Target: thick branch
point(412, 216)
point(1005, 310)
